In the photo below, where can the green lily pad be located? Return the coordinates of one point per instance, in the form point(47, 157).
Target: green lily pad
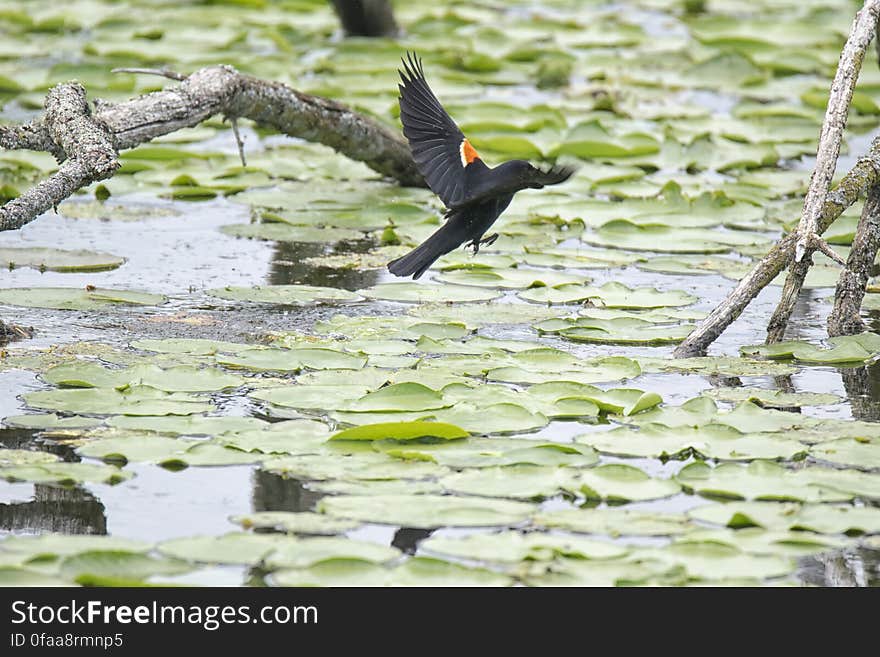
point(709, 441)
point(184, 378)
point(863, 453)
point(232, 548)
point(71, 298)
point(135, 400)
point(46, 259)
point(821, 518)
point(513, 547)
point(763, 480)
point(50, 421)
point(617, 482)
point(491, 452)
point(528, 482)
point(621, 330)
point(51, 545)
point(427, 511)
point(295, 522)
point(402, 431)
point(116, 563)
point(426, 293)
point(292, 360)
point(844, 349)
point(610, 295)
point(417, 571)
point(509, 278)
point(286, 295)
point(400, 397)
point(194, 346)
point(614, 522)
point(772, 398)
point(622, 234)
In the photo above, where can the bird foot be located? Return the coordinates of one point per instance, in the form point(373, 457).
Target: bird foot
point(489, 241)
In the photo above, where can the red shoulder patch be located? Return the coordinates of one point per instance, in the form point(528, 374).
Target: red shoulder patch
point(468, 153)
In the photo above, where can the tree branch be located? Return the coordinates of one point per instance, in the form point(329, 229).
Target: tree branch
point(863, 30)
point(864, 175)
point(845, 318)
point(88, 143)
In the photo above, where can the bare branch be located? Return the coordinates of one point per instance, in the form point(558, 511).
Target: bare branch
point(88, 145)
point(162, 72)
point(862, 32)
point(864, 175)
point(238, 142)
point(91, 143)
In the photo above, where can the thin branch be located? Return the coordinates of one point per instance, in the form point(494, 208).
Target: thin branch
point(162, 72)
point(822, 246)
point(238, 141)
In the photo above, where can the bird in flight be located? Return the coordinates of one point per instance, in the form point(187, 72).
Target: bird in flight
point(474, 194)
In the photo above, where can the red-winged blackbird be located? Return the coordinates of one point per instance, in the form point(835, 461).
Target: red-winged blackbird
point(474, 195)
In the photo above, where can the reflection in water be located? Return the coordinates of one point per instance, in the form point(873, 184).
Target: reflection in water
point(850, 567)
point(862, 386)
point(407, 539)
point(54, 509)
point(288, 266)
point(275, 493)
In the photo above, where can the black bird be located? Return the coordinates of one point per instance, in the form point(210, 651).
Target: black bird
point(474, 195)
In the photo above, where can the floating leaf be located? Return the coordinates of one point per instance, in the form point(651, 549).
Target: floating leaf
point(292, 360)
point(184, 378)
point(57, 259)
point(614, 522)
point(402, 431)
point(295, 523)
point(513, 547)
point(427, 293)
point(71, 298)
point(427, 511)
point(287, 295)
point(417, 571)
point(135, 400)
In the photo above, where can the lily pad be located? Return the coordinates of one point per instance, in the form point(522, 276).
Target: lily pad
point(617, 482)
point(402, 431)
point(513, 547)
point(71, 298)
point(426, 293)
point(286, 295)
point(614, 522)
point(46, 259)
point(427, 511)
point(295, 522)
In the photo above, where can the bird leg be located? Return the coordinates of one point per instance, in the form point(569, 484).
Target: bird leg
point(488, 241)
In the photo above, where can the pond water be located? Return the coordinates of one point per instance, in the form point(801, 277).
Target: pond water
point(184, 437)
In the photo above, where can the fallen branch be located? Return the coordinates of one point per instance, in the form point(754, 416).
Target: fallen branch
point(797, 248)
point(87, 143)
point(864, 175)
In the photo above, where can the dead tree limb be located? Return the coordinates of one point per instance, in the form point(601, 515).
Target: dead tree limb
point(862, 33)
point(845, 318)
point(797, 248)
point(87, 142)
point(864, 175)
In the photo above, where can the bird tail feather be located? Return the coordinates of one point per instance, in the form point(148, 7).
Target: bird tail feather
point(445, 239)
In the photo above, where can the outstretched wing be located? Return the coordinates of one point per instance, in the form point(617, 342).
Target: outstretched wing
point(442, 153)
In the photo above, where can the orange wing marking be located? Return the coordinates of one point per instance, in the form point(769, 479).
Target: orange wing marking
point(468, 154)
